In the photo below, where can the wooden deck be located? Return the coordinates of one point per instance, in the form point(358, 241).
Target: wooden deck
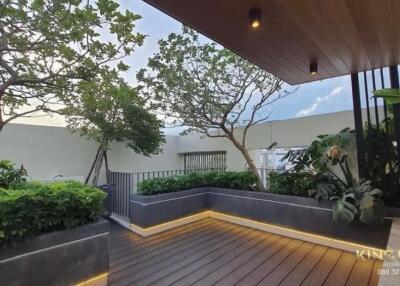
point(212, 252)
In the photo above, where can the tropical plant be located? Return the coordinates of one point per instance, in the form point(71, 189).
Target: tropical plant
point(11, 176)
point(325, 150)
point(48, 47)
point(209, 89)
point(361, 201)
point(382, 161)
point(110, 110)
point(390, 95)
point(355, 199)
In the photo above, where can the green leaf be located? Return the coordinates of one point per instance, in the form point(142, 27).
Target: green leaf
point(390, 95)
point(344, 211)
point(371, 210)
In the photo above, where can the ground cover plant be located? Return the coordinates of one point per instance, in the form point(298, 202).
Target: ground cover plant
point(295, 184)
point(234, 180)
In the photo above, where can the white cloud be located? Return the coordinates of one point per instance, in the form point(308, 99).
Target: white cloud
point(311, 108)
point(336, 90)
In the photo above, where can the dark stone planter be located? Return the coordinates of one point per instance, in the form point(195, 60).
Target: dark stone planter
point(146, 211)
point(57, 258)
point(303, 214)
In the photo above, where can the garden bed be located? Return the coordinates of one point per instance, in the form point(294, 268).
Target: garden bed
point(297, 213)
point(58, 258)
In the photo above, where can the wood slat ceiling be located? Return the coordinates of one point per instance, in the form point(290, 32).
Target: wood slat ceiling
point(342, 36)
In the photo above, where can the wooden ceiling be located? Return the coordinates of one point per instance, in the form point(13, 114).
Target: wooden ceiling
point(342, 36)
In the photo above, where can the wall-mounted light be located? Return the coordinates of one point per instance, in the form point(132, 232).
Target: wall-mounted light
point(313, 68)
point(255, 18)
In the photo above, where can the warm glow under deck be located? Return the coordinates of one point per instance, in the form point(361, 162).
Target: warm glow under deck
point(275, 229)
point(214, 252)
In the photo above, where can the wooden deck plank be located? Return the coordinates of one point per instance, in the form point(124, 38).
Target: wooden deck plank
point(264, 269)
point(124, 246)
point(323, 268)
point(238, 274)
point(212, 252)
point(284, 269)
point(169, 267)
point(167, 233)
point(305, 267)
point(147, 253)
point(163, 246)
point(374, 277)
point(138, 265)
point(358, 276)
point(221, 256)
point(216, 272)
point(342, 270)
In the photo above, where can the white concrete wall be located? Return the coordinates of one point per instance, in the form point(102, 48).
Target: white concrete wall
point(122, 159)
point(47, 151)
point(287, 133)
point(50, 151)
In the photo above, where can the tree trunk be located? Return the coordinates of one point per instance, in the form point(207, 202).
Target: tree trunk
point(92, 167)
point(107, 168)
point(245, 153)
point(97, 163)
point(1, 118)
point(253, 168)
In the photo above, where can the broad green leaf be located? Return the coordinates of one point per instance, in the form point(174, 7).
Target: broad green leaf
point(390, 95)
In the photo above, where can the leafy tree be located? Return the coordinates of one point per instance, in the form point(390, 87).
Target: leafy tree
point(110, 110)
point(209, 89)
point(48, 47)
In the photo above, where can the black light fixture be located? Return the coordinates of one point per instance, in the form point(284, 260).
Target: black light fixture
point(255, 18)
point(313, 68)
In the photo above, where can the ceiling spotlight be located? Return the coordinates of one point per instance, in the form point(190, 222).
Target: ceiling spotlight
point(313, 68)
point(255, 18)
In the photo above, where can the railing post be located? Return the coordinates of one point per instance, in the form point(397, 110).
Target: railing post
point(358, 123)
point(394, 83)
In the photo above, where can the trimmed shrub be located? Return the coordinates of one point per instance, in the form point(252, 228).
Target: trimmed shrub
point(295, 184)
point(35, 208)
point(232, 180)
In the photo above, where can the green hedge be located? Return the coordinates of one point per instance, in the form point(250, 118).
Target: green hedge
point(295, 184)
point(35, 208)
point(233, 180)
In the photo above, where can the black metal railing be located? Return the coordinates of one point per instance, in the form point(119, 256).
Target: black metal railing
point(363, 85)
point(125, 184)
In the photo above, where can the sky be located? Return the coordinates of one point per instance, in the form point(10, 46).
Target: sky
point(330, 95)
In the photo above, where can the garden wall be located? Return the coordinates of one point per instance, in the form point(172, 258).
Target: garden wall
point(301, 214)
point(58, 258)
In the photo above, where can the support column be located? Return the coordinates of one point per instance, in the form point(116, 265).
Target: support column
point(394, 83)
point(358, 123)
